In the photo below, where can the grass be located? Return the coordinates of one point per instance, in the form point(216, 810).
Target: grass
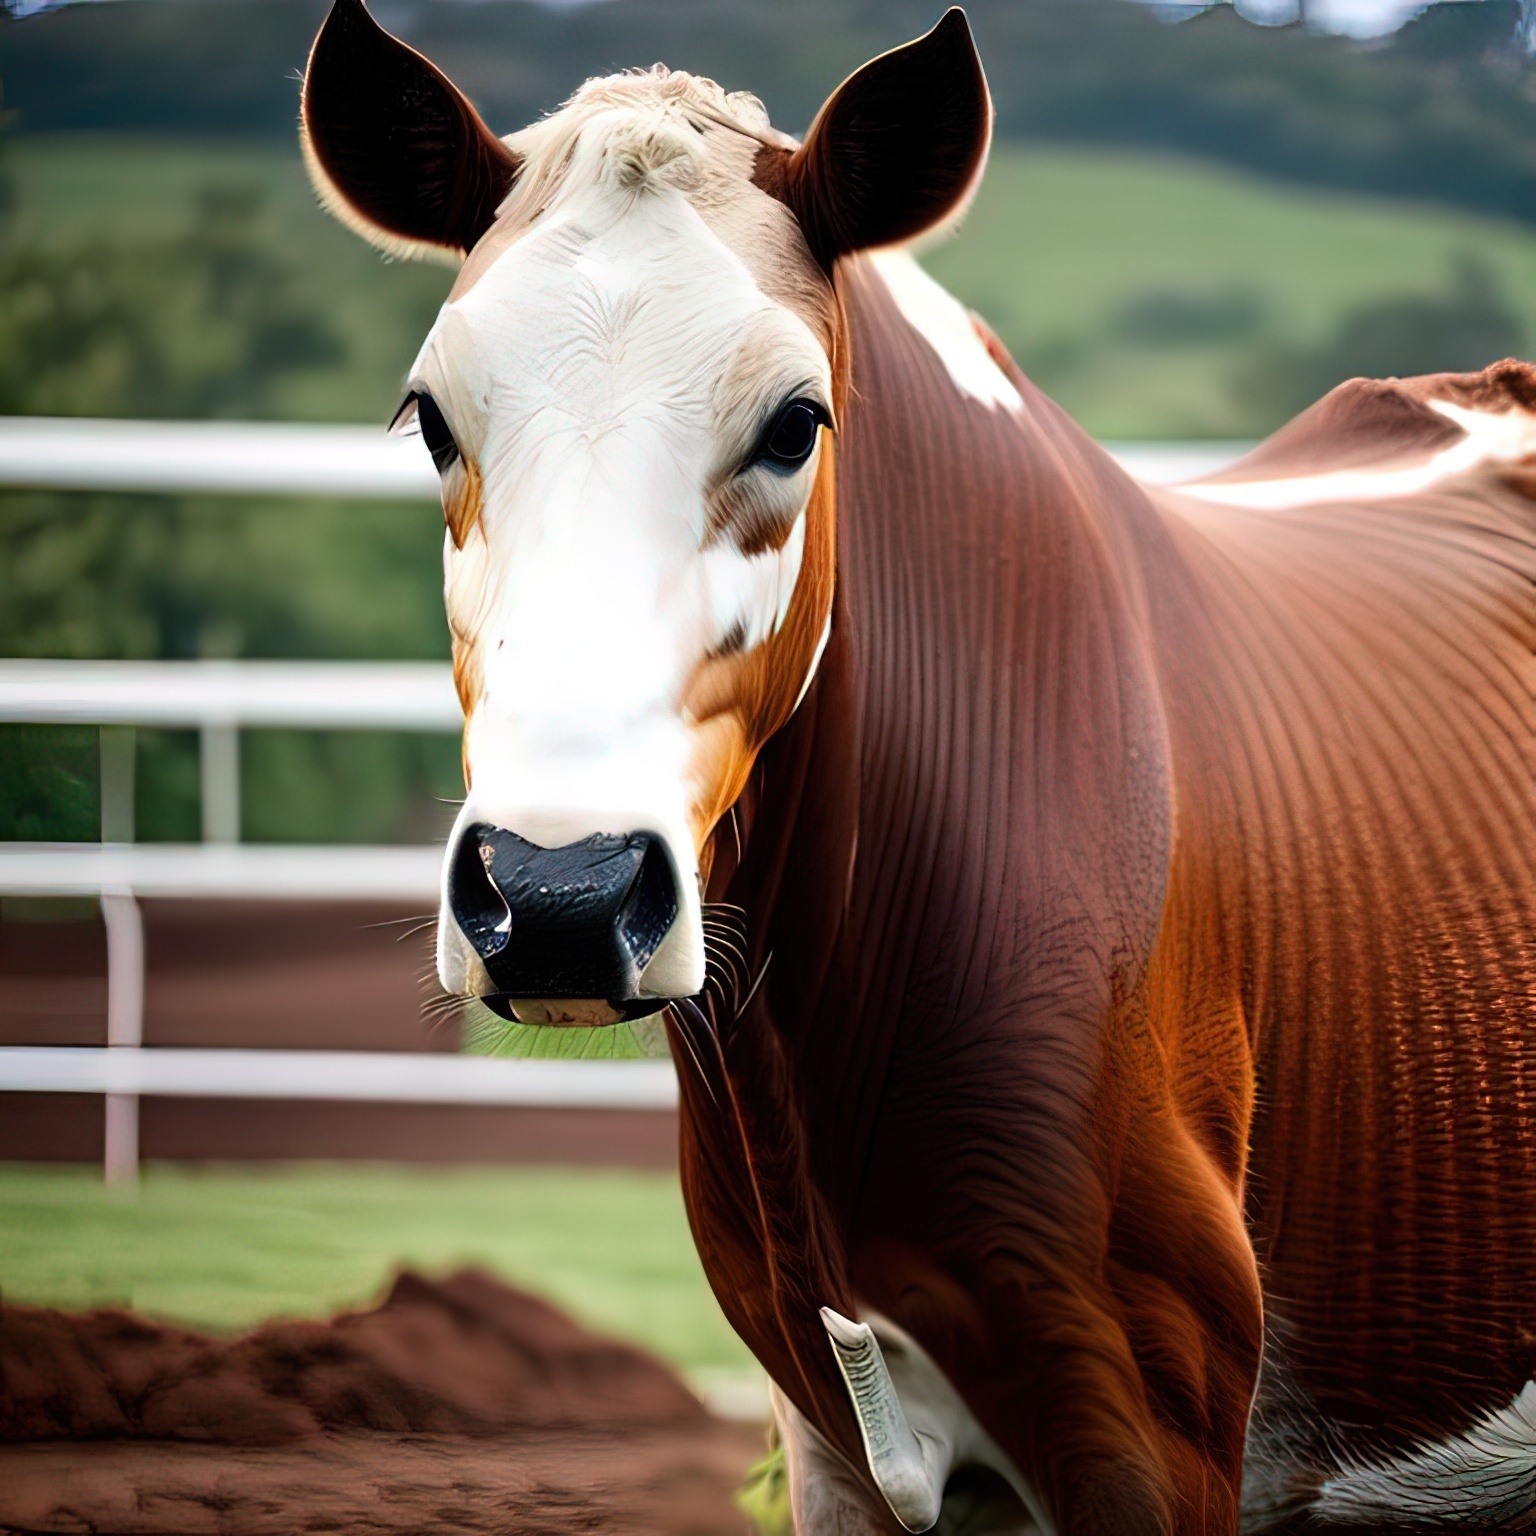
point(1059, 243)
point(221, 1247)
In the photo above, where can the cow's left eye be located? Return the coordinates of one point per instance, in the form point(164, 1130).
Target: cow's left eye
point(435, 433)
point(791, 436)
point(433, 426)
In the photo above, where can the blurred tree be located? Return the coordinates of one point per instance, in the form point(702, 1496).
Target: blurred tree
point(206, 320)
point(202, 322)
point(48, 783)
point(1466, 326)
point(1444, 109)
point(1186, 317)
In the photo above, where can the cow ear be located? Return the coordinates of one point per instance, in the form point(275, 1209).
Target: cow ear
point(394, 148)
point(898, 148)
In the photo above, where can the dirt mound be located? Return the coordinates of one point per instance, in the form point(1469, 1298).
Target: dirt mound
point(464, 1356)
point(452, 1407)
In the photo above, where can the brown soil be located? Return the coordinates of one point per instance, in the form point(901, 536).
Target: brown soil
point(459, 1406)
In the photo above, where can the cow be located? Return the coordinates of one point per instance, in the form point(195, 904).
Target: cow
point(1092, 923)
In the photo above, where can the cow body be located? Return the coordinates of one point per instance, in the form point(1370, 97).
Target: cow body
point(1160, 928)
point(1094, 923)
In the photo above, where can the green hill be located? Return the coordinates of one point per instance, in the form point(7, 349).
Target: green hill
point(1444, 109)
point(1144, 291)
point(1151, 295)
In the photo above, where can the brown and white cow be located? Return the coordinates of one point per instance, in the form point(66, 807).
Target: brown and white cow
point(1097, 922)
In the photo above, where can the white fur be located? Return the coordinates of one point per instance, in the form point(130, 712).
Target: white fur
point(915, 1426)
point(942, 321)
point(815, 667)
point(589, 372)
point(1483, 1479)
point(1490, 439)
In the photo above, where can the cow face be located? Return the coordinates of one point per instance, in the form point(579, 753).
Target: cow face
point(630, 396)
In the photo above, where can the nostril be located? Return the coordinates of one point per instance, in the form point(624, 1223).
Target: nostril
point(578, 921)
point(651, 906)
point(480, 910)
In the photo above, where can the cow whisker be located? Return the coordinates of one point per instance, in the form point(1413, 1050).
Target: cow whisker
point(682, 1009)
point(747, 1000)
point(727, 955)
point(424, 926)
point(394, 922)
point(730, 940)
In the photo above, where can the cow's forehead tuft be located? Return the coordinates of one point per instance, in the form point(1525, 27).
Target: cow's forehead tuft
point(662, 132)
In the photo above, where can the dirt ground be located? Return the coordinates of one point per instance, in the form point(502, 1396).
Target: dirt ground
point(456, 1406)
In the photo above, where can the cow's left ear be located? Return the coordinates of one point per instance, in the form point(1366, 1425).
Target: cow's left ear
point(898, 148)
point(394, 148)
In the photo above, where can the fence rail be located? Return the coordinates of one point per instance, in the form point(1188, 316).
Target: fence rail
point(218, 699)
point(255, 871)
point(403, 1077)
point(222, 457)
point(356, 462)
point(314, 695)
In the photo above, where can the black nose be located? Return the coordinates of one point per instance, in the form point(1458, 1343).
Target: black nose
point(578, 921)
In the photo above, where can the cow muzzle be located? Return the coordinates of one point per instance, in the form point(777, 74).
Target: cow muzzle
point(565, 934)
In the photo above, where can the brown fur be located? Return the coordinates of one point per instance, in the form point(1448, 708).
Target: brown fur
point(1118, 877)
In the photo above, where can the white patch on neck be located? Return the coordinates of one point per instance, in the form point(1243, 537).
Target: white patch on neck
point(1485, 1478)
point(915, 1426)
point(942, 321)
point(1490, 439)
point(810, 676)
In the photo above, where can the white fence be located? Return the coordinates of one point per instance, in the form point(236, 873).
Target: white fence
point(218, 699)
point(275, 458)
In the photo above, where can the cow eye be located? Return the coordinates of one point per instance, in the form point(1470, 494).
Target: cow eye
point(791, 436)
point(435, 433)
point(420, 407)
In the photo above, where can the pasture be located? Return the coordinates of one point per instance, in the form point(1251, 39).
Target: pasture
point(222, 1248)
point(1144, 292)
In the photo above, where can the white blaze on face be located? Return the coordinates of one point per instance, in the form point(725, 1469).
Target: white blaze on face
point(608, 373)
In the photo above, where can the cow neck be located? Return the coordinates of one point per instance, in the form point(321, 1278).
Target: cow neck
point(903, 832)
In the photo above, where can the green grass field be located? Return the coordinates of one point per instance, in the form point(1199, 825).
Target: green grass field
point(1061, 245)
point(1061, 242)
point(222, 1248)
point(77, 188)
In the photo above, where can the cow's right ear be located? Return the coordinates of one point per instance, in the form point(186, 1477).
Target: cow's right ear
point(393, 146)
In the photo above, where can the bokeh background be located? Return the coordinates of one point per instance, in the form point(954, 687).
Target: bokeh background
point(1192, 226)
point(1197, 219)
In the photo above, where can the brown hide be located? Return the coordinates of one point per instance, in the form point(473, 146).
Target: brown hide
point(1349, 694)
point(953, 1101)
point(1119, 836)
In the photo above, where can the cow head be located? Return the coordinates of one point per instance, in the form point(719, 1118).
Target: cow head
point(631, 395)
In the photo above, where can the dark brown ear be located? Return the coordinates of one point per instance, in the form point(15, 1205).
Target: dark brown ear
point(897, 149)
point(393, 146)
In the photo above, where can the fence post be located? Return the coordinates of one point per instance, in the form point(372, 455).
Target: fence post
point(219, 781)
point(116, 753)
point(125, 1027)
